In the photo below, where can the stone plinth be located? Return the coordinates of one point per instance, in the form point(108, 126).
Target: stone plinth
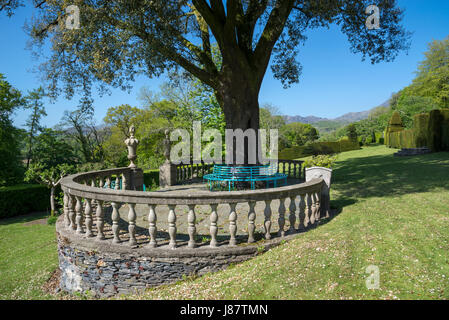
point(167, 174)
point(325, 174)
point(136, 179)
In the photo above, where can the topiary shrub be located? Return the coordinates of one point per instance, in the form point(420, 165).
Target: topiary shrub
point(445, 130)
point(420, 128)
point(434, 130)
point(394, 125)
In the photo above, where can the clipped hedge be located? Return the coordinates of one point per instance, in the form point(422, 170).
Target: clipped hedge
point(318, 148)
point(23, 199)
point(420, 125)
point(429, 130)
point(151, 178)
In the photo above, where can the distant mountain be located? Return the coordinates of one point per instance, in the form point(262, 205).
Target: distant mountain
point(344, 119)
point(308, 120)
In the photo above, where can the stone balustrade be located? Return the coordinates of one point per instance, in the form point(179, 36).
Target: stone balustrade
point(188, 171)
point(87, 194)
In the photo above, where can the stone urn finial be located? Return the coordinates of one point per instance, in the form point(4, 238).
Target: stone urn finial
point(132, 143)
point(167, 146)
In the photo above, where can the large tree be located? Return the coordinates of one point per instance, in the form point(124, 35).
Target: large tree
point(34, 102)
point(117, 39)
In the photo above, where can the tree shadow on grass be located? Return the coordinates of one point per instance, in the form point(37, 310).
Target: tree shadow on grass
point(24, 218)
point(386, 175)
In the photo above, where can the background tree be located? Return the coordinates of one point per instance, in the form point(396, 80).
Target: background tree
point(119, 119)
point(34, 102)
point(270, 117)
point(351, 132)
point(51, 177)
point(80, 125)
point(120, 39)
point(51, 149)
point(432, 78)
point(11, 170)
point(297, 134)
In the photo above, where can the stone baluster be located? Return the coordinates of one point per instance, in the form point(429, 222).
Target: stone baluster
point(292, 215)
point(232, 225)
point(152, 229)
point(281, 219)
point(191, 219)
point(100, 220)
point(72, 213)
point(314, 208)
point(124, 181)
point(172, 226)
point(88, 215)
point(132, 224)
point(115, 220)
point(117, 182)
point(79, 215)
point(267, 222)
point(317, 205)
point(251, 220)
point(309, 209)
point(108, 182)
point(66, 209)
point(213, 226)
point(302, 213)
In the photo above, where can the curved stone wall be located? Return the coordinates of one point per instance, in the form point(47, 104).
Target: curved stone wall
point(106, 269)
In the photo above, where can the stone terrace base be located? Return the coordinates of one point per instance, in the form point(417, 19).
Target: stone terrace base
point(105, 269)
point(405, 152)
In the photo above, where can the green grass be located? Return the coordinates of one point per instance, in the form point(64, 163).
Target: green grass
point(392, 213)
point(28, 256)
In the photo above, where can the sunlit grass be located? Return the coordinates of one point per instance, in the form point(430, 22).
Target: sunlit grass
point(28, 256)
point(392, 213)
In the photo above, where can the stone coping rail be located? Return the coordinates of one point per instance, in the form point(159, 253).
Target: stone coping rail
point(84, 192)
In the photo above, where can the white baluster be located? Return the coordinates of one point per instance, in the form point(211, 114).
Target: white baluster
point(213, 226)
point(251, 220)
point(100, 221)
point(309, 210)
point(72, 213)
point(172, 226)
point(292, 215)
point(281, 219)
point(267, 222)
point(232, 225)
point(115, 220)
point(132, 224)
point(88, 215)
point(152, 218)
point(302, 213)
point(191, 219)
point(66, 210)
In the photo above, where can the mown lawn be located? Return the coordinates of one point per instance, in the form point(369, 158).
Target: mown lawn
point(393, 213)
point(28, 256)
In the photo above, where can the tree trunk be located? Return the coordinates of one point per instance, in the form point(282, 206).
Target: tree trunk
point(52, 201)
point(239, 100)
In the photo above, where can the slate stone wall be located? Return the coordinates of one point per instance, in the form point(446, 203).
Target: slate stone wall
point(105, 274)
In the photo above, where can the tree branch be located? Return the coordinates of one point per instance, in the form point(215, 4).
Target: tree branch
point(271, 33)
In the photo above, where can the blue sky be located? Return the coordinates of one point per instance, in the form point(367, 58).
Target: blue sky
point(334, 81)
